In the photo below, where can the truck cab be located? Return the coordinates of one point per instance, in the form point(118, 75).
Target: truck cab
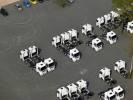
point(100, 22)
point(97, 44)
point(115, 16)
point(73, 91)
point(62, 93)
point(74, 54)
point(87, 29)
point(83, 87)
point(24, 55)
point(33, 51)
point(56, 41)
point(73, 36)
point(107, 18)
point(130, 27)
point(65, 39)
point(50, 63)
point(109, 95)
point(111, 37)
point(119, 91)
point(105, 74)
point(120, 67)
point(41, 68)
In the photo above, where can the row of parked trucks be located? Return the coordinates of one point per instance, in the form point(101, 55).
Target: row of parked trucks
point(94, 41)
point(69, 40)
point(111, 21)
point(106, 23)
point(105, 73)
point(66, 43)
point(110, 36)
point(74, 91)
point(80, 88)
point(114, 93)
point(31, 57)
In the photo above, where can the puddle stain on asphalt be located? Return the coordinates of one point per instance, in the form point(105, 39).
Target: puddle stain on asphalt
point(83, 71)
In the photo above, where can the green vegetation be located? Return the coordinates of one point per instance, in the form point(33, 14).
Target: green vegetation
point(125, 8)
point(61, 3)
point(123, 4)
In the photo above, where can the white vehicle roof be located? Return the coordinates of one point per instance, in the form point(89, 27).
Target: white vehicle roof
point(32, 49)
point(121, 63)
point(63, 91)
point(130, 23)
point(82, 83)
point(105, 71)
point(96, 40)
point(100, 19)
point(62, 35)
point(74, 51)
point(72, 88)
point(130, 27)
point(48, 61)
point(40, 65)
point(57, 39)
point(24, 52)
point(118, 89)
point(108, 16)
point(114, 14)
point(65, 36)
point(109, 93)
point(87, 27)
point(111, 33)
point(72, 32)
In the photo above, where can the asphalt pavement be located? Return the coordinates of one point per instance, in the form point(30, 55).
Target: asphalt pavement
point(36, 26)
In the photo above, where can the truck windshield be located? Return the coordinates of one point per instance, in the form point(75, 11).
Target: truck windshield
point(107, 78)
point(74, 94)
point(99, 44)
point(121, 93)
point(66, 42)
point(131, 27)
point(51, 64)
point(43, 68)
point(76, 54)
point(114, 37)
point(58, 43)
point(112, 97)
point(26, 57)
point(64, 97)
point(122, 70)
point(35, 53)
point(84, 90)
